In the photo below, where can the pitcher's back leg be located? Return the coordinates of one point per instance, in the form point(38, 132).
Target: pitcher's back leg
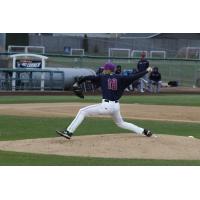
point(126, 125)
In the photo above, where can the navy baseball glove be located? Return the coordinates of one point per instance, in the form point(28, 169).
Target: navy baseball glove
point(77, 90)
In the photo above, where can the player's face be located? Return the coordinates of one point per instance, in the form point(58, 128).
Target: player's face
point(107, 71)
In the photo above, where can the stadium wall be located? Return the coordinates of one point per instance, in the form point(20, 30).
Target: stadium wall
point(56, 44)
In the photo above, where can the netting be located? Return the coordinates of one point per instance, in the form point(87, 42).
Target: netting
point(179, 70)
point(189, 53)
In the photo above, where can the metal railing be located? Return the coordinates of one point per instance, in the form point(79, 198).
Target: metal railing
point(27, 79)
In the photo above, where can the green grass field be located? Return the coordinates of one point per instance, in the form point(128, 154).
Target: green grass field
point(28, 159)
point(18, 127)
point(179, 100)
point(14, 128)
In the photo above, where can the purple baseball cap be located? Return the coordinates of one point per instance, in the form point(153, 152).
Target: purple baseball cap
point(109, 66)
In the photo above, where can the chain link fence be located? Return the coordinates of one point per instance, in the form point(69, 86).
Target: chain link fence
point(185, 71)
point(181, 70)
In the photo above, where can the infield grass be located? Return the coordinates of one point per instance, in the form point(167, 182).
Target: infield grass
point(28, 159)
point(180, 100)
point(17, 127)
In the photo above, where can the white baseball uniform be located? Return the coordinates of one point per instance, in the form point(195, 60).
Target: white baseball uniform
point(111, 108)
point(112, 87)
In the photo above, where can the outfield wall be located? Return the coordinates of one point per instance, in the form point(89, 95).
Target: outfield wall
point(56, 44)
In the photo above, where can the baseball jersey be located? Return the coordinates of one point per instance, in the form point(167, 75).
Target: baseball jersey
point(113, 85)
point(142, 65)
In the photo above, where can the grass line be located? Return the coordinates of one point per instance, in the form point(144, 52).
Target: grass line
point(18, 127)
point(180, 100)
point(8, 158)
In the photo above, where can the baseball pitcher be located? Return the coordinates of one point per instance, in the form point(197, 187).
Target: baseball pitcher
point(112, 87)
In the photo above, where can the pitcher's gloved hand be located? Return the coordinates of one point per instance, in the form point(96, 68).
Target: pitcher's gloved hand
point(77, 90)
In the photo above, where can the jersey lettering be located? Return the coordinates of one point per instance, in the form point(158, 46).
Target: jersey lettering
point(112, 84)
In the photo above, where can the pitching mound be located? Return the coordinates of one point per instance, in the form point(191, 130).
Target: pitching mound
point(112, 146)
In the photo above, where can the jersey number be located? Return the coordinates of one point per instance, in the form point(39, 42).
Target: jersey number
point(112, 84)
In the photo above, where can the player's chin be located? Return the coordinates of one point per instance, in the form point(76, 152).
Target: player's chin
point(107, 72)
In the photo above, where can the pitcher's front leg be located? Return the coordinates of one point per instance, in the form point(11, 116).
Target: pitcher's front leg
point(83, 112)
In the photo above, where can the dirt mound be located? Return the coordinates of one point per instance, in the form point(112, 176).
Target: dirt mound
point(112, 146)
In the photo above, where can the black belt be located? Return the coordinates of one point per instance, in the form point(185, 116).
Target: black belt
point(106, 100)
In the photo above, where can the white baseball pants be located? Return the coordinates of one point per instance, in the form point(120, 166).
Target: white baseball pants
point(155, 86)
point(144, 82)
point(105, 108)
